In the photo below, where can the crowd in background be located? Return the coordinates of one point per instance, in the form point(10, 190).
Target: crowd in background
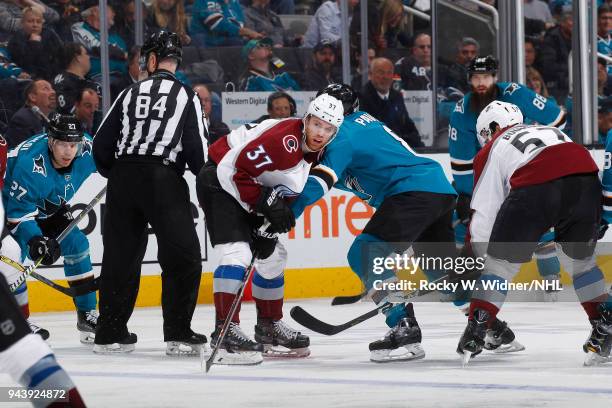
point(50, 54)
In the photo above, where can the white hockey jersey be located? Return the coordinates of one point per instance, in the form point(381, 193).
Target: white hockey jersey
point(520, 156)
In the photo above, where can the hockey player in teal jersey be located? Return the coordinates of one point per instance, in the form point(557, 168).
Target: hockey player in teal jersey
point(414, 203)
point(463, 144)
point(43, 174)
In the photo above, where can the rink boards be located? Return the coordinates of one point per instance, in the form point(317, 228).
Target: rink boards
point(317, 248)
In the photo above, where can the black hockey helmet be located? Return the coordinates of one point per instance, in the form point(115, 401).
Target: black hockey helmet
point(164, 44)
point(345, 94)
point(482, 65)
point(66, 128)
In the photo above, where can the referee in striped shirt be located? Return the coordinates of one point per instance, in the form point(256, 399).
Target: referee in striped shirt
point(154, 128)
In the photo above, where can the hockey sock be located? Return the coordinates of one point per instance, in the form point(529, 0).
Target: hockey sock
point(547, 261)
point(21, 296)
point(365, 255)
point(395, 314)
point(226, 283)
point(78, 269)
point(590, 288)
point(268, 295)
point(47, 374)
point(482, 305)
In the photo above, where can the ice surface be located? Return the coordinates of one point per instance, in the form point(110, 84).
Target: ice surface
point(549, 373)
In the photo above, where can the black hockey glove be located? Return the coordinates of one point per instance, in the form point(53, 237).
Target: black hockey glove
point(55, 224)
point(464, 212)
point(47, 248)
point(264, 245)
point(276, 211)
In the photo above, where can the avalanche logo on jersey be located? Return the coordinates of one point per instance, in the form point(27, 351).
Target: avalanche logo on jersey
point(291, 143)
point(39, 166)
point(510, 89)
point(49, 207)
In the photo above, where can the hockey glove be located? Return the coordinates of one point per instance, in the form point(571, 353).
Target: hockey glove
point(464, 212)
point(263, 245)
point(47, 248)
point(276, 211)
point(55, 224)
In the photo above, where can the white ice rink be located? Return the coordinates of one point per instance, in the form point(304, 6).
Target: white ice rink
point(549, 373)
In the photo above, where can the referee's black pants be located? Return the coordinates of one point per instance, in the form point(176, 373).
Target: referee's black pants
point(144, 191)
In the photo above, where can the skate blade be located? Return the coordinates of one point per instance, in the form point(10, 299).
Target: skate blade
point(180, 349)
point(271, 351)
point(413, 352)
point(237, 358)
point(465, 358)
point(509, 348)
point(114, 348)
point(594, 359)
point(87, 337)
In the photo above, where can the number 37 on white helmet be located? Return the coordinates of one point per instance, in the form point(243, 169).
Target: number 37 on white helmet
point(323, 118)
point(496, 114)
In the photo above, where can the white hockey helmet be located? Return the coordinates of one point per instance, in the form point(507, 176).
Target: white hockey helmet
point(497, 113)
point(328, 109)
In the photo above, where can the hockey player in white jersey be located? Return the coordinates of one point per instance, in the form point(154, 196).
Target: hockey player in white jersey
point(251, 173)
point(529, 179)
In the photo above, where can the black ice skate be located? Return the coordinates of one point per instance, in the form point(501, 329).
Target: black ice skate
point(86, 325)
point(237, 348)
point(500, 339)
point(39, 330)
point(281, 340)
point(190, 346)
point(599, 343)
point(125, 345)
point(406, 334)
point(473, 339)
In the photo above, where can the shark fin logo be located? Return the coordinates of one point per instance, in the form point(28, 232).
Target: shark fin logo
point(39, 166)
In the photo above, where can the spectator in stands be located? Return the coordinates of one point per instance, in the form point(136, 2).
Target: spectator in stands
point(169, 15)
point(87, 33)
point(325, 24)
point(70, 82)
point(457, 72)
point(283, 6)
point(552, 60)
point(537, 10)
point(388, 26)
point(531, 52)
point(604, 27)
point(125, 23)
point(604, 120)
point(280, 106)
point(604, 84)
point(8, 69)
point(216, 128)
point(415, 70)
point(536, 82)
point(321, 71)
point(30, 119)
point(69, 13)
point(35, 48)
point(356, 82)
point(386, 104)
point(260, 18)
point(219, 23)
point(11, 12)
point(85, 107)
point(260, 75)
point(131, 76)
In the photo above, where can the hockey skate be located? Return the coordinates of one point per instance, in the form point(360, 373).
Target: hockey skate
point(237, 348)
point(599, 344)
point(406, 334)
point(473, 339)
point(86, 325)
point(280, 340)
point(191, 346)
point(39, 330)
point(125, 345)
point(500, 339)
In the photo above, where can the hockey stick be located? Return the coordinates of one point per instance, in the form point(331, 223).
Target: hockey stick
point(30, 270)
point(232, 311)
